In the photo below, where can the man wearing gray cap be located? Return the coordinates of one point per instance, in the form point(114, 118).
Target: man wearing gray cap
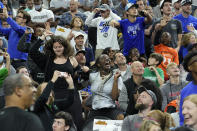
point(145, 102)
point(106, 34)
point(185, 18)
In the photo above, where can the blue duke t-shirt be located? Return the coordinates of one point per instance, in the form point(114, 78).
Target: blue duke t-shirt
point(187, 21)
point(133, 35)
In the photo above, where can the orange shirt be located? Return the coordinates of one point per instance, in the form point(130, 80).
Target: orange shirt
point(169, 54)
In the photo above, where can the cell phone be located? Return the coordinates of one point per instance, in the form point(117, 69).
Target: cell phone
point(48, 37)
point(1, 10)
point(63, 74)
point(142, 13)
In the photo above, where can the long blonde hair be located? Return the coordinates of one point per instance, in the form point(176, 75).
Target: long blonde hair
point(164, 119)
point(192, 98)
point(147, 124)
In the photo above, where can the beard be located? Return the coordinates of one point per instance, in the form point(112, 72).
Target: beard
point(140, 106)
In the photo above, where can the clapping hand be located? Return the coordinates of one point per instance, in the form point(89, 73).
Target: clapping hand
point(69, 80)
point(56, 74)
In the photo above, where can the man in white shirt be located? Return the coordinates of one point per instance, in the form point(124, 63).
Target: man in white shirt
point(39, 14)
point(106, 34)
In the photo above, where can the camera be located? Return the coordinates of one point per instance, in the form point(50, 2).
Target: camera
point(63, 74)
point(83, 75)
point(1, 10)
point(48, 37)
point(141, 13)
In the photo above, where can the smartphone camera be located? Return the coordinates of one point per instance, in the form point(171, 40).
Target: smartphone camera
point(141, 13)
point(48, 37)
point(1, 10)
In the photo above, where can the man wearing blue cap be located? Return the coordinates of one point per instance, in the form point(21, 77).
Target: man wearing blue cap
point(133, 29)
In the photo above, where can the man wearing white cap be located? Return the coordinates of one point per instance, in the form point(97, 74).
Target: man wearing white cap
point(185, 17)
point(167, 24)
point(133, 29)
point(79, 46)
point(106, 34)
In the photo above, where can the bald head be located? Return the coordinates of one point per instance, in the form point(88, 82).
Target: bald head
point(137, 68)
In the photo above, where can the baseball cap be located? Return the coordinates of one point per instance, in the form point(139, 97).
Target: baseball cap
point(104, 7)
point(185, 2)
point(174, 1)
point(163, 1)
point(129, 5)
point(78, 34)
point(81, 51)
point(151, 93)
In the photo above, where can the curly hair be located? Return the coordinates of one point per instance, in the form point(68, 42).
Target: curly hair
point(164, 119)
point(73, 21)
point(187, 59)
point(48, 48)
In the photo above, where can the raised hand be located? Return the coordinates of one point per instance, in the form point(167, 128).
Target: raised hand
point(70, 36)
point(117, 75)
point(56, 74)
point(69, 80)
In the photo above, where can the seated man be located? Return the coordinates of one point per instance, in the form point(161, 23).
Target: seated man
point(152, 72)
point(128, 94)
point(123, 68)
point(171, 89)
point(145, 102)
point(169, 54)
point(63, 122)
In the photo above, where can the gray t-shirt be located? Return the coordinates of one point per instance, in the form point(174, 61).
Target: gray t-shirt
point(173, 27)
point(132, 123)
point(170, 92)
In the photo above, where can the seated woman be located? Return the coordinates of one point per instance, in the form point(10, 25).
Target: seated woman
point(105, 87)
point(150, 125)
point(189, 110)
point(164, 119)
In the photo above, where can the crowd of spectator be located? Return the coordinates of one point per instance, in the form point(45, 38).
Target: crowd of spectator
point(128, 60)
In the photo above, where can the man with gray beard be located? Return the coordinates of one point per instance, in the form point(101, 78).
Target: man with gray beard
point(123, 68)
point(145, 102)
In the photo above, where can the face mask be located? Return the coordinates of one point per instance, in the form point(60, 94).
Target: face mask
point(38, 7)
point(1, 59)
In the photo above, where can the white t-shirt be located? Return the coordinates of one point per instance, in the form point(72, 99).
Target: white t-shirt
point(42, 16)
point(59, 3)
point(106, 35)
